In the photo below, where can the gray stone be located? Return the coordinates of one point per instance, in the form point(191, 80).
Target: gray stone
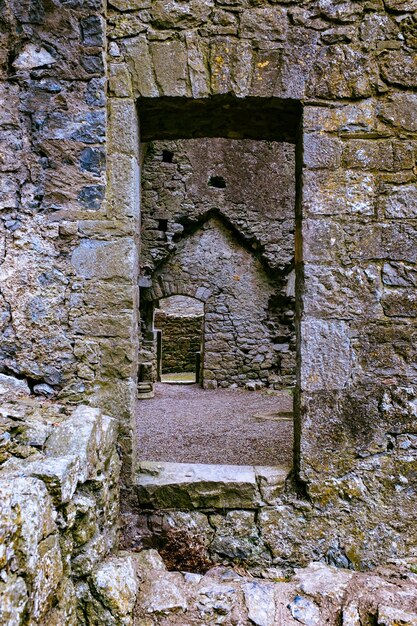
point(259, 599)
point(305, 611)
point(329, 354)
point(189, 486)
point(103, 259)
point(163, 594)
point(390, 616)
point(33, 56)
point(13, 386)
point(44, 390)
point(116, 584)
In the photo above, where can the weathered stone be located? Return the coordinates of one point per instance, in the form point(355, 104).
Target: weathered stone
point(261, 604)
point(327, 342)
point(171, 66)
point(399, 68)
point(389, 616)
point(322, 152)
point(116, 585)
point(189, 486)
point(13, 386)
point(400, 202)
point(400, 110)
point(305, 611)
point(140, 64)
point(263, 23)
point(340, 71)
point(33, 56)
point(163, 594)
point(103, 259)
point(177, 14)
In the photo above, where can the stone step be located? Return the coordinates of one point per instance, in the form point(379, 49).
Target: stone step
point(189, 486)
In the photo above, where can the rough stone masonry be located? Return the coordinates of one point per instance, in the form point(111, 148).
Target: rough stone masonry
point(80, 83)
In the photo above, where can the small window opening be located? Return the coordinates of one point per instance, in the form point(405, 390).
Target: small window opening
point(217, 181)
point(163, 225)
point(167, 156)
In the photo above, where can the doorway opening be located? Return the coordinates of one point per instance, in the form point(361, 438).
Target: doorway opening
point(179, 327)
point(218, 228)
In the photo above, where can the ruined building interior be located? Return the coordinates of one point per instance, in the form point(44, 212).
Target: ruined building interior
point(208, 312)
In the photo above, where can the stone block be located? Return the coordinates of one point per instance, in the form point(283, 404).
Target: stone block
point(123, 124)
point(171, 67)
point(125, 186)
point(9, 96)
point(140, 64)
point(92, 30)
point(163, 593)
point(266, 73)
point(391, 616)
point(116, 585)
point(323, 240)
point(260, 602)
point(339, 193)
point(343, 119)
point(386, 351)
point(397, 274)
point(93, 160)
point(103, 296)
point(321, 151)
point(337, 292)
point(119, 80)
point(104, 325)
point(13, 387)
point(197, 53)
point(263, 24)
point(131, 5)
point(326, 354)
point(8, 193)
point(97, 259)
point(77, 437)
point(400, 202)
point(378, 155)
point(179, 15)
point(13, 599)
point(271, 482)
point(341, 71)
point(190, 486)
point(399, 68)
point(399, 110)
point(33, 56)
point(399, 303)
point(123, 26)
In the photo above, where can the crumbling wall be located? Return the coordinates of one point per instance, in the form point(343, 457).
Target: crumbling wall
point(59, 507)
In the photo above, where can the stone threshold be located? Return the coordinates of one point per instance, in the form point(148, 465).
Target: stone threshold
point(188, 486)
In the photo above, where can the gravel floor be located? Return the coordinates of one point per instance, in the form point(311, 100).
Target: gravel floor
point(187, 424)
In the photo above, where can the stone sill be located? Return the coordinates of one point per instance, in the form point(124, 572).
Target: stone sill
point(188, 486)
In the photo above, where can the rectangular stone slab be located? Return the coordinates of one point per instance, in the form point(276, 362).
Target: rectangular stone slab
point(198, 486)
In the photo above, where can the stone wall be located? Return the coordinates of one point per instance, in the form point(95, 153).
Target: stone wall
point(241, 319)
point(252, 185)
point(69, 255)
point(352, 66)
point(59, 508)
point(181, 340)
